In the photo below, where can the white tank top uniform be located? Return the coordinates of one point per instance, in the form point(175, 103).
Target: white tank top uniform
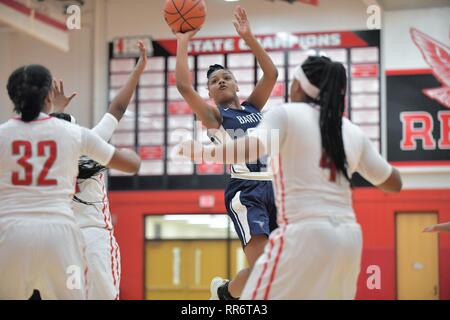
point(41, 246)
point(315, 253)
point(91, 209)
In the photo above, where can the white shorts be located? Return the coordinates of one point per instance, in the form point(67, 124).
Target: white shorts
point(41, 252)
point(312, 259)
point(103, 256)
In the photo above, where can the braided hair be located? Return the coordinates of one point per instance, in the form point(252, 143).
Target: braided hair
point(331, 79)
point(87, 168)
point(28, 87)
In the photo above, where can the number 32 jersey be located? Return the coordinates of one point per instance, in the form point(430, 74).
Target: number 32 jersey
point(39, 164)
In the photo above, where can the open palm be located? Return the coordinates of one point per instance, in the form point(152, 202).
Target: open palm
point(60, 101)
point(241, 22)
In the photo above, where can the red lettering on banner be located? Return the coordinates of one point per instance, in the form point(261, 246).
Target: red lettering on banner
point(365, 70)
point(444, 119)
point(151, 152)
point(411, 133)
point(270, 42)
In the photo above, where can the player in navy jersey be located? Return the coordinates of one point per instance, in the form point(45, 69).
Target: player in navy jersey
point(249, 195)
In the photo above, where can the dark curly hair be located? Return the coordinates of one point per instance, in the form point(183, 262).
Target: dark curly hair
point(214, 68)
point(28, 87)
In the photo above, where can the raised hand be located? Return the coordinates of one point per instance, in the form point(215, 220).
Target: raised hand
point(241, 22)
point(142, 62)
point(186, 36)
point(60, 101)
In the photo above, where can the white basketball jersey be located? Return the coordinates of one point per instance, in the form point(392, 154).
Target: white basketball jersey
point(91, 205)
point(39, 164)
point(305, 181)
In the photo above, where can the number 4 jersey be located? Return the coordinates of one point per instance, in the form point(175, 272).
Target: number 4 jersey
point(306, 183)
point(39, 163)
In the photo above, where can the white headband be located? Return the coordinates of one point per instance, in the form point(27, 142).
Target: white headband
point(310, 89)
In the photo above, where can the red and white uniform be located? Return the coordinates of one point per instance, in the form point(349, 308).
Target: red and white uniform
point(315, 253)
point(41, 246)
point(102, 250)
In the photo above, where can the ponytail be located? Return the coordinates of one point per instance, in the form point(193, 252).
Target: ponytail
point(332, 103)
point(331, 78)
point(28, 87)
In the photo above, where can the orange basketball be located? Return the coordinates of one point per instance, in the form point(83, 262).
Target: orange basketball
point(184, 15)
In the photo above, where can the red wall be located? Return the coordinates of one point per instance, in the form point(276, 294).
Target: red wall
point(375, 212)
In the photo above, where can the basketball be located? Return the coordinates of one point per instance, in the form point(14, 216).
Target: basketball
point(184, 15)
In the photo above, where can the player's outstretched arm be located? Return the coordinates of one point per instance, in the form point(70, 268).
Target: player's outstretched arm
point(120, 102)
point(246, 149)
point(264, 87)
point(441, 227)
point(96, 148)
point(206, 113)
point(125, 160)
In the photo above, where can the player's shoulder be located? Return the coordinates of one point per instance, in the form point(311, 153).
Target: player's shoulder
point(298, 107)
point(299, 111)
point(352, 128)
point(67, 128)
point(353, 135)
point(8, 124)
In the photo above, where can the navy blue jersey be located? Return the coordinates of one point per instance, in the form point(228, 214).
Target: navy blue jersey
point(236, 122)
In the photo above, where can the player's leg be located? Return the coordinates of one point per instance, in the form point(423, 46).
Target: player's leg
point(16, 253)
point(351, 256)
point(248, 211)
point(103, 257)
point(65, 273)
point(268, 266)
point(253, 251)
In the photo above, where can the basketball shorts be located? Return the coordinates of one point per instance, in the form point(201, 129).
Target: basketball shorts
point(42, 252)
point(315, 259)
point(251, 206)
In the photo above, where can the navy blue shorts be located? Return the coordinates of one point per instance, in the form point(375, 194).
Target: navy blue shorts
point(251, 206)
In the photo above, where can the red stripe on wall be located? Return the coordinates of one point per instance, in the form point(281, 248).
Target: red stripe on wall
point(39, 16)
point(406, 72)
point(434, 163)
